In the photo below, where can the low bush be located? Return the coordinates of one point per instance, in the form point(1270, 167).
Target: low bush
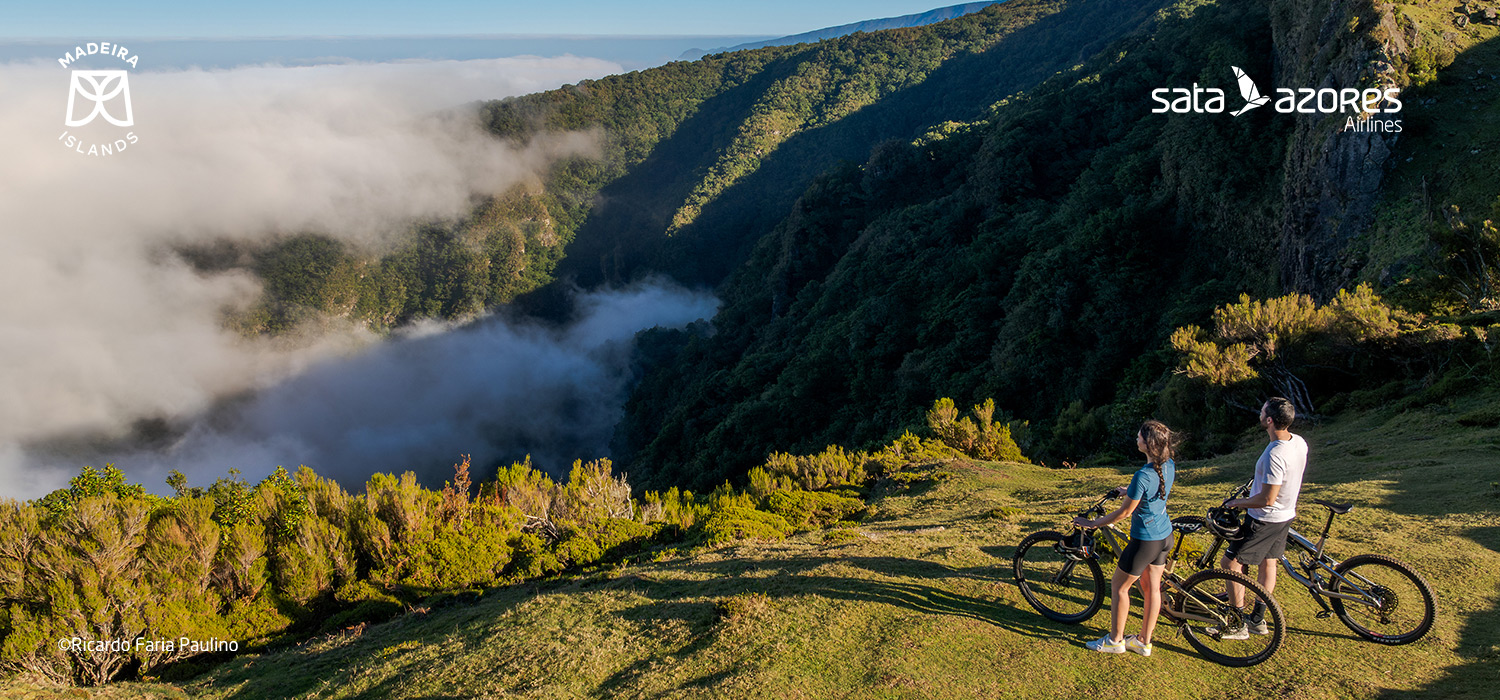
point(739, 523)
point(803, 509)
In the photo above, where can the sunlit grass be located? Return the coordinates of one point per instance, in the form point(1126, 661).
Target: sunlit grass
point(919, 603)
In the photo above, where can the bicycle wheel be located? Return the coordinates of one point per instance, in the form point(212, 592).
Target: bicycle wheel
point(1059, 587)
point(1400, 605)
point(1211, 625)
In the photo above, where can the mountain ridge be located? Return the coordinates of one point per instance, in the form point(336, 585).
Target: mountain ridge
point(870, 25)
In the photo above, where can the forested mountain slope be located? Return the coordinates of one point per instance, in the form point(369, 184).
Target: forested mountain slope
point(986, 206)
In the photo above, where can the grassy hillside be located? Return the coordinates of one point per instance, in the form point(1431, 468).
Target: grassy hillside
point(916, 602)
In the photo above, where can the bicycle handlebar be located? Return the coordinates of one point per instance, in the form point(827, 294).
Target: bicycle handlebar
point(1098, 506)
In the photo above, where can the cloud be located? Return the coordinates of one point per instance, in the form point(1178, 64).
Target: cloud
point(100, 327)
point(497, 389)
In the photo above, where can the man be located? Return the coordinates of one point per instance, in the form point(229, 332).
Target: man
point(1272, 505)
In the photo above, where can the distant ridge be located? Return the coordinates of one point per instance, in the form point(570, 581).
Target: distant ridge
point(869, 25)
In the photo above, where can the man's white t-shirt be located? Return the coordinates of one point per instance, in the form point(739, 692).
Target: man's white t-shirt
point(1283, 463)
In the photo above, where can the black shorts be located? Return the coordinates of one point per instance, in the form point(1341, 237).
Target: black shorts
point(1142, 553)
point(1265, 541)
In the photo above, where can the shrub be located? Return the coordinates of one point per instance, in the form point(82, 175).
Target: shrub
point(979, 437)
point(1258, 347)
point(739, 523)
point(831, 467)
point(532, 558)
point(812, 509)
point(89, 483)
point(1483, 418)
point(674, 507)
point(594, 492)
point(78, 578)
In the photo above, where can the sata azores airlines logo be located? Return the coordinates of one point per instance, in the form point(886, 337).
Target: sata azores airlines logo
point(1361, 105)
point(1249, 91)
point(99, 104)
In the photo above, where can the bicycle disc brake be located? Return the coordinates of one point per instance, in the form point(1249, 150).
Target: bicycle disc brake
point(1387, 603)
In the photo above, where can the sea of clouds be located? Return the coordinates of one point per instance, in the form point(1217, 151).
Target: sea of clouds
point(102, 325)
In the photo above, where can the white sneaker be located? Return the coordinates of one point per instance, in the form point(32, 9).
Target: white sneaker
point(1134, 643)
point(1235, 632)
point(1106, 644)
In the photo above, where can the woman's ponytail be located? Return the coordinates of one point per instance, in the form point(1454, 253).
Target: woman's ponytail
point(1159, 442)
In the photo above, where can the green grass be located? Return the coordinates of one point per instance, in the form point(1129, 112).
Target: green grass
point(919, 604)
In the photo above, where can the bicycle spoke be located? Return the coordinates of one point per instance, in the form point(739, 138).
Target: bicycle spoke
point(1060, 587)
point(1395, 606)
point(1222, 632)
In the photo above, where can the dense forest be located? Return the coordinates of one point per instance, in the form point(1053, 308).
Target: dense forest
point(1046, 253)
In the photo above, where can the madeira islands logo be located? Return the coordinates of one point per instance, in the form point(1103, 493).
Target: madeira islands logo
point(1360, 105)
point(99, 105)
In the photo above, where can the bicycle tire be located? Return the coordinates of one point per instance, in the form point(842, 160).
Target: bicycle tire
point(1039, 553)
point(1212, 581)
point(1346, 609)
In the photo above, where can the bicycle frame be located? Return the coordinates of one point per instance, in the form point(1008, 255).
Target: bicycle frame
point(1314, 564)
point(1170, 578)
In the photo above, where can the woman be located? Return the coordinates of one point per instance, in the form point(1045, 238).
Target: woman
point(1150, 539)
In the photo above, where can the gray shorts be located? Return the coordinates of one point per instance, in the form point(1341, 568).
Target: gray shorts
point(1265, 541)
point(1140, 554)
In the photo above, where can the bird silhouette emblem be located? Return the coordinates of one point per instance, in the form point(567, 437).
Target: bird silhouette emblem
point(1252, 95)
point(99, 87)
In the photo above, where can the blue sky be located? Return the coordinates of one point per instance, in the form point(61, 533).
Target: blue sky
point(123, 19)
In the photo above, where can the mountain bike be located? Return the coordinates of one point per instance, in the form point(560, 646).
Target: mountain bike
point(1376, 596)
point(1059, 575)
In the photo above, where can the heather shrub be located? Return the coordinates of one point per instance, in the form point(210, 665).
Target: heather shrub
point(763, 483)
point(532, 558)
point(905, 450)
point(979, 436)
point(79, 577)
point(531, 492)
point(474, 557)
point(739, 522)
point(831, 467)
point(677, 507)
point(594, 492)
point(176, 562)
point(428, 540)
point(103, 560)
point(240, 566)
point(802, 509)
point(603, 539)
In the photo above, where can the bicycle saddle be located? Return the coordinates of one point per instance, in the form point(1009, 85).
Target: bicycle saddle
point(1337, 508)
point(1187, 524)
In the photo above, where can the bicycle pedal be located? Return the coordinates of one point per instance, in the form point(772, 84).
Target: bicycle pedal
point(1325, 614)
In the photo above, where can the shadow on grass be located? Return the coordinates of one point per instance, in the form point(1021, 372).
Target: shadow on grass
point(678, 599)
point(1479, 674)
